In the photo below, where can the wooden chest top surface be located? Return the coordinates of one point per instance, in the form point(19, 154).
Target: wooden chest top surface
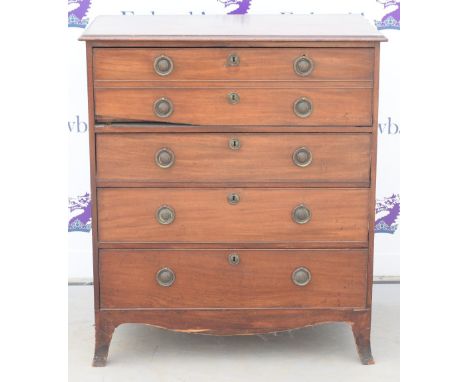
point(227, 27)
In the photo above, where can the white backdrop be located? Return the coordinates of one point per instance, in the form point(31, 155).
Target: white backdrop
point(384, 14)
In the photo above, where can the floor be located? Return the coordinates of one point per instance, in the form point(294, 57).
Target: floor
point(322, 353)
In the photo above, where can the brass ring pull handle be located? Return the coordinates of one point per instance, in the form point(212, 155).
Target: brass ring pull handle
point(165, 215)
point(301, 276)
point(163, 107)
point(302, 157)
point(301, 214)
point(163, 65)
point(233, 60)
point(165, 277)
point(302, 107)
point(233, 98)
point(303, 66)
point(164, 158)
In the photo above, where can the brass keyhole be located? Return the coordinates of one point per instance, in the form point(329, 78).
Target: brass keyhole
point(234, 144)
point(234, 259)
point(233, 98)
point(233, 60)
point(233, 198)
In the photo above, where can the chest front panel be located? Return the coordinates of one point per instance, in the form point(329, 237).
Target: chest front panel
point(233, 175)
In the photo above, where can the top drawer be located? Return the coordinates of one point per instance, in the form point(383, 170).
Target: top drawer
point(231, 64)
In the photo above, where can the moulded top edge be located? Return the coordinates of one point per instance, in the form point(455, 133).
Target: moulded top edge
point(192, 28)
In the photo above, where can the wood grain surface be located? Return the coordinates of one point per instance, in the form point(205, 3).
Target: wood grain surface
point(210, 295)
point(257, 106)
point(233, 321)
point(256, 64)
point(208, 158)
point(205, 279)
point(204, 215)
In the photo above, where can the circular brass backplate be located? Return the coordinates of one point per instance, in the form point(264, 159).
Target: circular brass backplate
point(301, 276)
point(165, 277)
point(302, 157)
point(165, 214)
point(303, 107)
point(301, 214)
point(163, 107)
point(303, 66)
point(163, 65)
point(164, 158)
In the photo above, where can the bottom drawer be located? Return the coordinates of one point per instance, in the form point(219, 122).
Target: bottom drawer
point(232, 279)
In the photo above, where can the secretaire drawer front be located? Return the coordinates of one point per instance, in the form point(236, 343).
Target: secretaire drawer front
point(232, 215)
point(236, 106)
point(212, 279)
point(182, 64)
point(220, 157)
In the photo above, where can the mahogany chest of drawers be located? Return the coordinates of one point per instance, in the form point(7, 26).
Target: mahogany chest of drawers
point(233, 163)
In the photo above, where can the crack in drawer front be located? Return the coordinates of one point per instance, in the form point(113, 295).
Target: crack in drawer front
point(232, 215)
point(206, 278)
point(230, 106)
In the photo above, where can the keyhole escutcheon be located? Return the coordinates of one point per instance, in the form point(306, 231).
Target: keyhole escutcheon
point(233, 98)
point(233, 59)
point(234, 259)
point(233, 198)
point(234, 144)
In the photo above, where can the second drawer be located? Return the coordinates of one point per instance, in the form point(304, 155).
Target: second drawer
point(267, 106)
point(186, 157)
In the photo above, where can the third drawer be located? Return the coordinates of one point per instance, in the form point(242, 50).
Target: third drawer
point(220, 157)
